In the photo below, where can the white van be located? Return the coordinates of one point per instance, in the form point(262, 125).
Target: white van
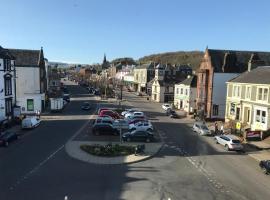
point(30, 122)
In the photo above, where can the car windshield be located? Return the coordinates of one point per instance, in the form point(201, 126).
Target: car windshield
point(204, 127)
point(236, 141)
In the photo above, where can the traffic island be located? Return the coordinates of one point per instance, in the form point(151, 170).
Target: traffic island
point(74, 150)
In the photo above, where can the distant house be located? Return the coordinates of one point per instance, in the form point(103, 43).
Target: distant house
point(248, 99)
point(218, 67)
point(31, 82)
point(185, 94)
point(142, 75)
point(7, 88)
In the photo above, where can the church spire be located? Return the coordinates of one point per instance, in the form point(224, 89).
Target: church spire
point(104, 59)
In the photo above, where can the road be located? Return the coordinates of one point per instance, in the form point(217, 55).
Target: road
point(187, 167)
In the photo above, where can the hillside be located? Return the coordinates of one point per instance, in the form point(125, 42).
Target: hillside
point(193, 58)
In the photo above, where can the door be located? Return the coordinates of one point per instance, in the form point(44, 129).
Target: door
point(181, 104)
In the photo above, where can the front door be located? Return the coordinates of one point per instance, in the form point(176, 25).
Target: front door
point(181, 104)
point(246, 115)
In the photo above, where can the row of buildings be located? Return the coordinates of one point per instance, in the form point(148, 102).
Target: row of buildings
point(228, 84)
point(23, 82)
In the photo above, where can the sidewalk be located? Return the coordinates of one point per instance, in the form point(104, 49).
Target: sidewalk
point(73, 149)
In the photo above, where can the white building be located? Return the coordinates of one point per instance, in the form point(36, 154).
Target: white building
point(185, 94)
point(7, 93)
point(31, 82)
point(248, 99)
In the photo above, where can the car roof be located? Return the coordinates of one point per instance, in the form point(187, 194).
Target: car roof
point(233, 137)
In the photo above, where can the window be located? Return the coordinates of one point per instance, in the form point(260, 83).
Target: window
point(177, 90)
point(237, 117)
point(236, 91)
point(7, 65)
point(8, 106)
point(181, 91)
point(262, 94)
point(8, 85)
point(215, 109)
point(248, 92)
point(30, 104)
point(260, 116)
point(186, 91)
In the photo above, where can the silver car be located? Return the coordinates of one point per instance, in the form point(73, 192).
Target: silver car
point(201, 128)
point(230, 142)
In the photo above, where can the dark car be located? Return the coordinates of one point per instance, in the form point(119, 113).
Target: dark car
point(104, 128)
point(139, 136)
point(66, 98)
point(7, 137)
point(173, 114)
point(265, 166)
point(86, 106)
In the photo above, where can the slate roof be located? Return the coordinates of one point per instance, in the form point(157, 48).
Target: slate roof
point(5, 54)
point(145, 66)
point(191, 81)
point(236, 61)
point(26, 57)
point(259, 75)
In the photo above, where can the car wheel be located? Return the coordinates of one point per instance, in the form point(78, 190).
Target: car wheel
point(6, 143)
point(265, 170)
point(217, 141)
point(148, 140)
point(128, 139)
point(149, 129)
point(227, 147)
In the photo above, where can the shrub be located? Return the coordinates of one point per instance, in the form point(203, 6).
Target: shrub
point(108, 150)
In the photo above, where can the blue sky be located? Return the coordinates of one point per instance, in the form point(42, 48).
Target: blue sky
point(82, 31)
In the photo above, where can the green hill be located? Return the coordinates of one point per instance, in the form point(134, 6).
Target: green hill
point(192, 58)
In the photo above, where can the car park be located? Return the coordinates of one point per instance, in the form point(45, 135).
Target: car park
point(201, 128)
point(30, 122)
point(111, 113)
point(86, 106)
point(230, 142)
point(138, 136)
point(265, 166)
point(7, 137)
point(104, 128)
point(142, 126)
point(166, 106)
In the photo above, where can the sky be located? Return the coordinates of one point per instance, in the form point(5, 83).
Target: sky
point(81, 31)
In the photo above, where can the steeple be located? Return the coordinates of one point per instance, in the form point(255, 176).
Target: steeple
point(104, 59)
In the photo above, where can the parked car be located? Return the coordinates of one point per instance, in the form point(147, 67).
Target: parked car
point(230, 142)
point(265, 166)
point(131, 110)
point(132, 118)
point(111, 113)
point(66, 98)
point(104, 128)
point(142, 126)
point(165, 106)
point(86, 106)
point(173, 114)
point(7, 137)
point(201, 128)
point(101, 109)
point(120, 123)
point(139, 136)
point(30, 122)
point(136, 120)
point(134, 114)
point(106, 119)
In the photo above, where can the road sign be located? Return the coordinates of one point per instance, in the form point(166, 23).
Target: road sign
point(238, 125)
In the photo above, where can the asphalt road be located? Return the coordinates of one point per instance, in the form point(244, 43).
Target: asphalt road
point(188, 166)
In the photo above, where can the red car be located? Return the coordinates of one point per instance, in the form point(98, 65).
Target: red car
point(110, 113)
point(101, 109)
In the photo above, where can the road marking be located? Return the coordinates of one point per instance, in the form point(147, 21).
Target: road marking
point(26, 176)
